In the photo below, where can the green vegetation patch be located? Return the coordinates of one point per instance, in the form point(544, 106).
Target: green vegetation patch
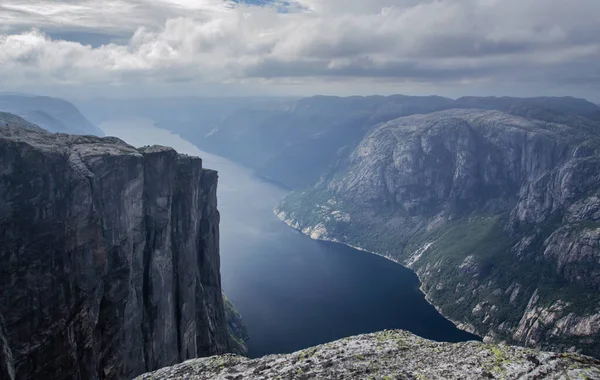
point(236, 329)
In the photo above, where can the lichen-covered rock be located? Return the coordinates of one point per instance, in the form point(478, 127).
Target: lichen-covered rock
point(390, 355)
point(109, 259)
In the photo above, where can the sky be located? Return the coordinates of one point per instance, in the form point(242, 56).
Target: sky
point(300, 47)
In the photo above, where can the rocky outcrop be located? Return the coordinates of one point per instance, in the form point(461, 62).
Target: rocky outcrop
point(546, 323)
point(109, 259)
point(391, 355)
point(488, 207)
point(575, 249)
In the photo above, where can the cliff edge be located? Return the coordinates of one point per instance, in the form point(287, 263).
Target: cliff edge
point(109, 257)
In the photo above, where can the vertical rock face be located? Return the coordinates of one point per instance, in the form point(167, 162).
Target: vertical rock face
point(109, 260)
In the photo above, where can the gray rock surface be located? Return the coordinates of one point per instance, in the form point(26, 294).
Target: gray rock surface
point(390, 355)
point(109, 257)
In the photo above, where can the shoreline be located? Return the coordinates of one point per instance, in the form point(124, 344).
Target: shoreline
point(461, 326)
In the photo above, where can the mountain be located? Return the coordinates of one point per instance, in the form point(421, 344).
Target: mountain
point(286, 140)
point(294, 146)
point(109, 257)
point(498, 214)
point(391, 355)
point(296, 143)
point(52, 114)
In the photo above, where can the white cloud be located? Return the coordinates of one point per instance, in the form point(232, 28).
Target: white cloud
point(431, 42)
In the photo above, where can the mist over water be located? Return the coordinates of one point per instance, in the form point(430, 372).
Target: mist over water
point(294, 292)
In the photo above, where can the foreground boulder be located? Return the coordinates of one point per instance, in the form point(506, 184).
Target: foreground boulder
point(391, 355)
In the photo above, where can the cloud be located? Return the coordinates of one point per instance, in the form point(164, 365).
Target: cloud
point(433, 42)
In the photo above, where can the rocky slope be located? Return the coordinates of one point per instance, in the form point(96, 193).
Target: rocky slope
point(236, 329)
point(391, 355)
point(109, 260)
point(498, 212)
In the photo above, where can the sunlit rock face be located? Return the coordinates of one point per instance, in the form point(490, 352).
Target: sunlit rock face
point(390, 355)
point(109, 259)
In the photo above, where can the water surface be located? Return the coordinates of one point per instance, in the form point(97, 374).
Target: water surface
point(294, 292)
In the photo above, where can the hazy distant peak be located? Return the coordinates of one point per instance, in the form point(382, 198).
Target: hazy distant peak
point(53, 114)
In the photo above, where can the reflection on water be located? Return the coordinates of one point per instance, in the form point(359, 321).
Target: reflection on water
point(294, 292)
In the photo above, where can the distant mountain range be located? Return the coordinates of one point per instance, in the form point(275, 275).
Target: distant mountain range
point(198, 115)
point(52, 114)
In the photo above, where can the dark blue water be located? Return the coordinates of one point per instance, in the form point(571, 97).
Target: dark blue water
point(294, 292)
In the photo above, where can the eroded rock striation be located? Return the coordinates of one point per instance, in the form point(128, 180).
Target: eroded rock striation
point(109, 259)
point(390, 355)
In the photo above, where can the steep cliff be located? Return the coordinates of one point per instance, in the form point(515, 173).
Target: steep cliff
point(390, 355)
point(497, 212)
point(109, 260)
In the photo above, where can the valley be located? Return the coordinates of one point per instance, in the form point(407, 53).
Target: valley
point(299, 189)
point(291, 291)
point(490, 205)
point(491, 201)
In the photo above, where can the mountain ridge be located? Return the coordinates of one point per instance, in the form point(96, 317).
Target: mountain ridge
point(296, 144)
point(53, 114)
